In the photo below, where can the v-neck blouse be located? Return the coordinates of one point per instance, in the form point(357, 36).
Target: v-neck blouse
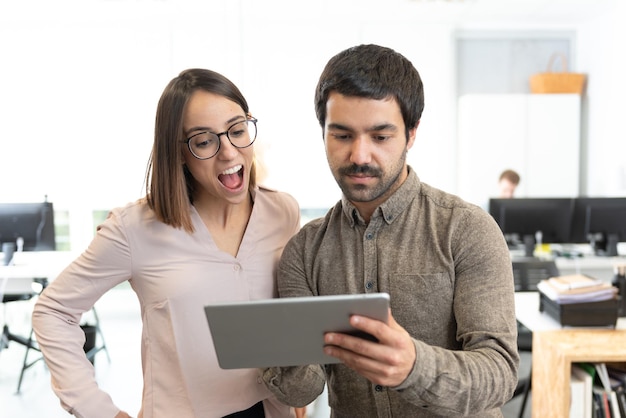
point(174, 274)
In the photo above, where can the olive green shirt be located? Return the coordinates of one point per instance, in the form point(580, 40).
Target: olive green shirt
point(447, 269)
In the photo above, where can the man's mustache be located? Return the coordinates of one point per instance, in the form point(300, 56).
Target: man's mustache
point(360, 169)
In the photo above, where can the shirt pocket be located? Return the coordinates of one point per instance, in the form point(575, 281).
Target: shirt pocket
point(422, 303)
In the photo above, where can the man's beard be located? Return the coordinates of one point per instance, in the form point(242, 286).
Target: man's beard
point(363, 193)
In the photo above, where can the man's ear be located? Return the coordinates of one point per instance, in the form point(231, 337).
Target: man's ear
point(412, 133)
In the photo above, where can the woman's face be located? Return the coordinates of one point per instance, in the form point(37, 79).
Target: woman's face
point(225, 176)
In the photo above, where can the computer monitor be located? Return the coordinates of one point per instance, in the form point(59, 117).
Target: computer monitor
point(522, 219)
point(33, 222)
point(601, 222)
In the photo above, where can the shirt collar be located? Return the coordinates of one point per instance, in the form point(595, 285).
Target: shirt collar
point(391, 208)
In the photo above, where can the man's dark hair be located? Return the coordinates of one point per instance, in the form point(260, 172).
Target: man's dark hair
point(373, 72)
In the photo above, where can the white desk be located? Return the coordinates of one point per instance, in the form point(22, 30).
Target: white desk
point(598, 267)
point(17, 278)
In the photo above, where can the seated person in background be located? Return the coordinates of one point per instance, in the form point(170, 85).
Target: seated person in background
point(507, 183)
point(205, 232)
point(450, 348)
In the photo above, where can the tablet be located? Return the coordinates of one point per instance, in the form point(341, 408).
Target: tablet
point(286, 331)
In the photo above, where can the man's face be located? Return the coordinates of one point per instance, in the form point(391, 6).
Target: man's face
point(366, 147)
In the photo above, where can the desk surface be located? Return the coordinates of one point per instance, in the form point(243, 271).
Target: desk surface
point(527, 312)
point(37, 263)
point(18, 277)
point(598, 267)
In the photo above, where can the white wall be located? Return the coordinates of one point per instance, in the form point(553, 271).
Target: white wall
point(536, 134)
point(79, 82)
point(601, 56)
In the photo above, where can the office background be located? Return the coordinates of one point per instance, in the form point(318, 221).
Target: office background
point(79, 83)
point(80, 80)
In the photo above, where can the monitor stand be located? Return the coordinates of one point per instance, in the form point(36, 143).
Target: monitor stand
point(529, 245)
point(605, 245)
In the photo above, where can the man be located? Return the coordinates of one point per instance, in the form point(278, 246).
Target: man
point(449, 348)
point(507, 183)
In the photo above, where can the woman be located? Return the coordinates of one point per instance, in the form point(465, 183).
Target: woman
point(200, 235)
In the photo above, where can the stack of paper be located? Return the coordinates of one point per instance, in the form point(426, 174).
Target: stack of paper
point(576, 288)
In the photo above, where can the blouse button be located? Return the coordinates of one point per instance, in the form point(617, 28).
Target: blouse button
point(369, 235)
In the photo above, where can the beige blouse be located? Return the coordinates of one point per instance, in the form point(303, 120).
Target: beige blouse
point(174, 274)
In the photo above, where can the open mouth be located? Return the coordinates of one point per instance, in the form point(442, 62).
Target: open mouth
point(232, 178)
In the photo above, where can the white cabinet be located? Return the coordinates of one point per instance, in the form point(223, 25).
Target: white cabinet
point(538, 135)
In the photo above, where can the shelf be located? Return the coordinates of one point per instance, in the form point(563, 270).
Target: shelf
point(552, 357)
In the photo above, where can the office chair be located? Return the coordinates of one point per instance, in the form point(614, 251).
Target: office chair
point(26, 291)
point(527, 273)
point(20, 290)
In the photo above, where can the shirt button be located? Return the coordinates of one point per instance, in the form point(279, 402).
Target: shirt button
point(369, 285)
point(378, 388)
point(236, 267)
point(369, 235)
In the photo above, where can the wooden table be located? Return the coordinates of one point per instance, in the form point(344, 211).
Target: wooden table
point(555, 348)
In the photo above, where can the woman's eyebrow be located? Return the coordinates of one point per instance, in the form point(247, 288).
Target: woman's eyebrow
point(206, 128)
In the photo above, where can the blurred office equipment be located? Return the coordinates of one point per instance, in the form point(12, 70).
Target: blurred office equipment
point(526, 221)
point(19, 289)
point(601, 222)
point(23, 227)
point(527, 273)
point(29, 225)
point(597, 221)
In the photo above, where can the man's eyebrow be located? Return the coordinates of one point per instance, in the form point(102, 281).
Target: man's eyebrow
point(338, 126)
point(374, 128)
point(383, 127)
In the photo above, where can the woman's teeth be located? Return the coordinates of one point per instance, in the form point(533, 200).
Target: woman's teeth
point(232, 170)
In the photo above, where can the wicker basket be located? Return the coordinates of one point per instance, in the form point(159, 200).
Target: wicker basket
point(557, 82)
